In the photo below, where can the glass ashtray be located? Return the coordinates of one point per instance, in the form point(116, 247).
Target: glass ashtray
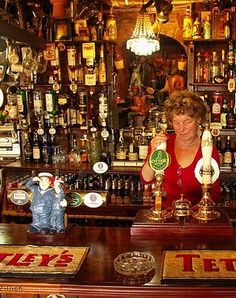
point(134, 263)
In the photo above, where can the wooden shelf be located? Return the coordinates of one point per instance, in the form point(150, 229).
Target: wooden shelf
point(215, 41)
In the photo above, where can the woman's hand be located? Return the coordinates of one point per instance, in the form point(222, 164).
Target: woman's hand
point(158, 139)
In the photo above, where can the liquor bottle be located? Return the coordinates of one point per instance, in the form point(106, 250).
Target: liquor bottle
point(44, 150)
point(142, 145)
point(231, 81)
point(146, 195)
point(62, 110)
point(216, 75)
point(83, 149)
point(113, 190)
point(28, 149)
point(91, 110)
point(95, 147)
point(111, 29)
point(206, 69)
point(228, 153)
point(231, 117)
point(198, 69)
point(71, 64)
point(231, 58)
point(82, 111)
point(36, 149)
point(119, 192)
point(227, 27)
point(216, 107)
point(126, 198)
point(80, 69)
point(207, 28)
point(21, 102)
point(74, 154)
point(220, 149)
point(121, 147)
point(73, 110)
point(50, 102)
point(93, 31)
point(102, 67)
point(209, 107)
point(100, 26)
point(223, 67)
point(187, 25)
point(38, 103)
point(133, 150)
point(224, 113)
point(89, 75)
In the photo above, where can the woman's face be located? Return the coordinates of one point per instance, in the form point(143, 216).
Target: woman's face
point(185, 127)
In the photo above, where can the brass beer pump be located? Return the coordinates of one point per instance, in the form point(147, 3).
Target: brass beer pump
point(159, 160)
point(206, 172)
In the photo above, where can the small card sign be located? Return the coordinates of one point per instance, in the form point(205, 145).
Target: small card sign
point(185, 265)
point(41, 260)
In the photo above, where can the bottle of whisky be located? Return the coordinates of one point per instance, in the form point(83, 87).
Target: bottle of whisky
point(102, 78)
point(231, 117)
point(80, 69)
point(36, 149)
point(199, 69)
point(133, 151)
point(224, 113)
point(121, 147)
point(228, 153)
point(142, 145)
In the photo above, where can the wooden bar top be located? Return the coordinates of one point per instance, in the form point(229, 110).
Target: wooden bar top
point(97, 277)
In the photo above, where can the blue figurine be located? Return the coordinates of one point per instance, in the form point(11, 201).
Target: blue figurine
point(48, 204)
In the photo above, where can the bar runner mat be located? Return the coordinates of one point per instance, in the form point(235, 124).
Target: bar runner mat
point(190, 266)
point(41, 261)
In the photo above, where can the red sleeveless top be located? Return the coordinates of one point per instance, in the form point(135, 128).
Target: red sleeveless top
point(179, 180)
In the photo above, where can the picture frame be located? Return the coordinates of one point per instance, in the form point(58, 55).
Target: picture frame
point(62, 30)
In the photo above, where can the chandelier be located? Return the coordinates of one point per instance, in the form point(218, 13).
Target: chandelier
point(143, 41)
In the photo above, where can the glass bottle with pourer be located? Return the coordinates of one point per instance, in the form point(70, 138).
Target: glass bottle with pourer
point(206, 171)
point(159, 160)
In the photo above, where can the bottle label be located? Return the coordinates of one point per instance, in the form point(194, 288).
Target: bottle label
point(228, 158)
point(49, 102)
point(90, 79)
point(36, 153)
point(216, 108)
point(19, 101)
point(73, 116)
point(143, 150)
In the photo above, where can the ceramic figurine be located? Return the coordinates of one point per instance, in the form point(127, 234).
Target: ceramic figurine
point(48, 204)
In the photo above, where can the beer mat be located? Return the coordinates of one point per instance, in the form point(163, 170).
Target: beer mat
point(38, 261)
point(198, 265)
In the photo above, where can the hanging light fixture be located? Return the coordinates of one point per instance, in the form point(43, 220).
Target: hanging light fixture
point(143, 41)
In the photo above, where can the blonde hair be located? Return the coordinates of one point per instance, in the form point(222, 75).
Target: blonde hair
point(185, 103)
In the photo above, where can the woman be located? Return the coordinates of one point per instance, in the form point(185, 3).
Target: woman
point(185, 112)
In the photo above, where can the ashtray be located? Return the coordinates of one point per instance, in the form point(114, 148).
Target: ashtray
point(134, 263)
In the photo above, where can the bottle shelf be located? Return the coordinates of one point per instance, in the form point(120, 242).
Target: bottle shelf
point(79, 42)
point(213, 41)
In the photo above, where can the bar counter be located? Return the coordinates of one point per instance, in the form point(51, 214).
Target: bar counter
point(97, 277)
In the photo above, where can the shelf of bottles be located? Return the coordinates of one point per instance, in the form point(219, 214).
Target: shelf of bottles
point(61, 99)
point(120, 190)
